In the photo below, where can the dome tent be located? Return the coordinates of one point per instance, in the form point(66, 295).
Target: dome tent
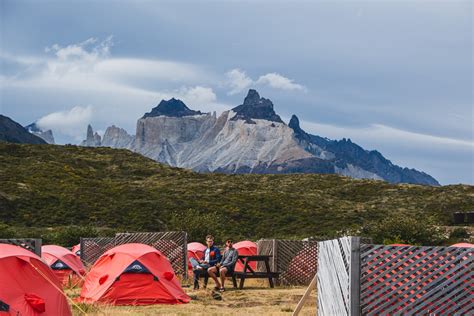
point(463, 245)
point(28, 286)
point(132, 274)
point(246, 247)
point(64, 263)
point(196, 251)
point(76, 249)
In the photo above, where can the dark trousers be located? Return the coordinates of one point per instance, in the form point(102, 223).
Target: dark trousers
point(197, 274)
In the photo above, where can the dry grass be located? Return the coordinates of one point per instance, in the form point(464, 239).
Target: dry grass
point(255, 299)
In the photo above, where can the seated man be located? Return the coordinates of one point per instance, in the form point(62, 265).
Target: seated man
point(226, 264)
point(212, 256)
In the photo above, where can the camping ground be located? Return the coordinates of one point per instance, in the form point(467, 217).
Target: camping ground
point(255, 299)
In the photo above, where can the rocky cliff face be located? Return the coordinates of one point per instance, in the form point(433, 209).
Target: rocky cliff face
point(250, 138)
point(92, 139)
point(46, 135)
point(255, 107)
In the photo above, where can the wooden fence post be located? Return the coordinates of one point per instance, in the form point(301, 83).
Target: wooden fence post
point(185, 244)
point(354, 277)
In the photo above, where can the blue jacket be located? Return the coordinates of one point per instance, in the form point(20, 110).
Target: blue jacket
point(214, 256)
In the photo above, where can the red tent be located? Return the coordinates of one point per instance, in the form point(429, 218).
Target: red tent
point(76, 249)
point(65, 264)
point(196, 251)
point(28, 286)
point(246, 247)
point(463, 245)
point(132, 274)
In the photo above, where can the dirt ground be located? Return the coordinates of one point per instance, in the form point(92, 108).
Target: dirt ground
point(255, 299)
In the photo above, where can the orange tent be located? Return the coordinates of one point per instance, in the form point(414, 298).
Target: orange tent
point(28, 286)
point(196, 251)
point(76, 249)
point(463, 245)
point(132, 274)
point(65, 264)
point(246, 247)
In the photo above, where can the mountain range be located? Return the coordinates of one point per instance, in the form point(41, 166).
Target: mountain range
point(12, 132)
point(250, 138)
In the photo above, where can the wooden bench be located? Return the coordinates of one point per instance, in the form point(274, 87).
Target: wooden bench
point(248, 272)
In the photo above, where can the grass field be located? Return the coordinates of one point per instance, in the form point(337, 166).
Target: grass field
point(255, 299)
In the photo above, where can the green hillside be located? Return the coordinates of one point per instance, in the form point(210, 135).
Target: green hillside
point(45, 186)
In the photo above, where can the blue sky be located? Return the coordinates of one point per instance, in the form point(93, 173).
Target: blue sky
point(395, 76)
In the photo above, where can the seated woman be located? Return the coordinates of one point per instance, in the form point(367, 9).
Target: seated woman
point(226, 264)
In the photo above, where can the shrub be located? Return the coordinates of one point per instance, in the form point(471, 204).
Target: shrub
point(404, 229)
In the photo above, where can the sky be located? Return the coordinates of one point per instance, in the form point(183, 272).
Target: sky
point(395, 76)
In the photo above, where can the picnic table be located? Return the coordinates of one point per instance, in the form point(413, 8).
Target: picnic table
point(249, 273)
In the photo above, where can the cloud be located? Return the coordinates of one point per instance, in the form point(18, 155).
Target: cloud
point(238, 81)
point(90, 66)
point(197, 96)
point(383, 134)
point(278, 81)
point(72, 122)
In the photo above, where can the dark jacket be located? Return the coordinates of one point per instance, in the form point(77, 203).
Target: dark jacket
point(214, 256)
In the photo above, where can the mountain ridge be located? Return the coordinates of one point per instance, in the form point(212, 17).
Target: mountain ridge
point(13, 132)
point(250, 138)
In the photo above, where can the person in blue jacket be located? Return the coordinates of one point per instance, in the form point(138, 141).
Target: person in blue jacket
point(212, 255)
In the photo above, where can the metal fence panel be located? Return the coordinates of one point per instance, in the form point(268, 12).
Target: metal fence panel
point(31, 244)
point(409, 280)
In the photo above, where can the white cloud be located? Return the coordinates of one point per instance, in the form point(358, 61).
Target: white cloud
point(379, 134)
point(197, 96)
point(89, 66)
point(278, 81)
point(72, 122)
point(238, 81)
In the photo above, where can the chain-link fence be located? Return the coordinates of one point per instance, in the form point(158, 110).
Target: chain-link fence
point(33, 245)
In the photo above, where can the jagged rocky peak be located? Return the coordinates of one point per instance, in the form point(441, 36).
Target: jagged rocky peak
point(92, 139)
point(255, 107)
point(46, 135)
point(294, 124)
point(173, 107)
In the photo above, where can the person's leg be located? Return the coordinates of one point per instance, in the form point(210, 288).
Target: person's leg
point(222, 272)
point(212, 271)
point(197, 273)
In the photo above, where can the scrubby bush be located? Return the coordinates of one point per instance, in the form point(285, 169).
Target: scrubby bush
point(405, 229)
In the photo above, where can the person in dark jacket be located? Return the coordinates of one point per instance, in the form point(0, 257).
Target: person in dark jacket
point(227, 264)
point(212, 256)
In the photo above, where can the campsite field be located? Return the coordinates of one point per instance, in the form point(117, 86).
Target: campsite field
point(255, 299)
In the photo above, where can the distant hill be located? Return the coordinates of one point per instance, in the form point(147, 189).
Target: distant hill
point(12, 132)
point(52, 185)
